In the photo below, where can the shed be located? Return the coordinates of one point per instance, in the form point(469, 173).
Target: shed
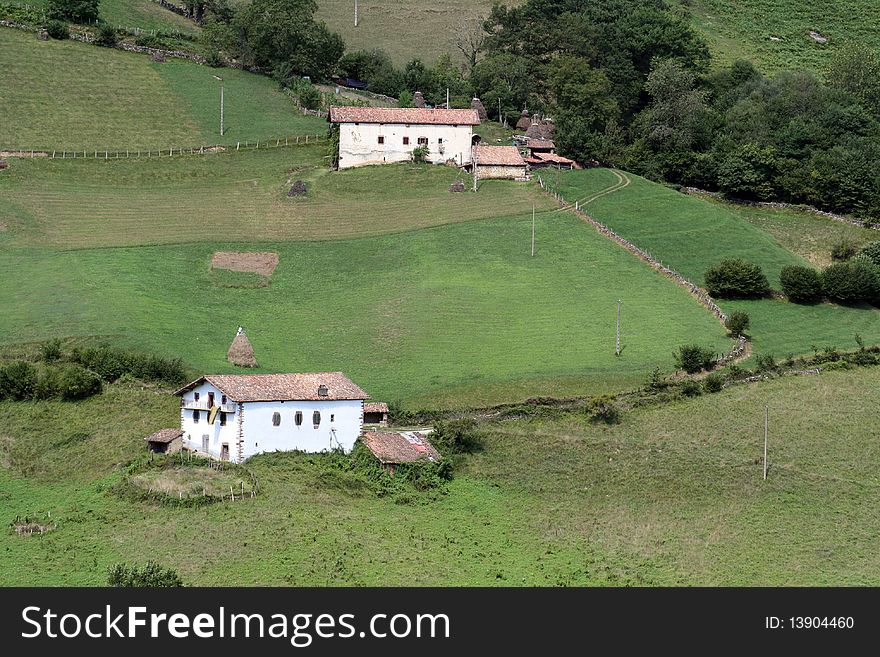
point(394, 447)
point(165, 441)
point(540, 160)
point(499, 162)
point(376, 413)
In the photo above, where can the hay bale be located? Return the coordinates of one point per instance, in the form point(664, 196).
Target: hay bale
point(418, 100)
point(481, 111)
point(457, 186)
point(241, 352)
point(297, 189)
point(158, 57)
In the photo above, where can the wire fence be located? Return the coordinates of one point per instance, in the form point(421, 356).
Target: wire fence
point(119, 153)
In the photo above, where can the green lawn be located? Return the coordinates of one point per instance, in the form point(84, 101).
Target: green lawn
point(671, 496)
point(124, 101)
point(130, 14)
point(691, 234)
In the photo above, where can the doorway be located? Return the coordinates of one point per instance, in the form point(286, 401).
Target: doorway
point(224, 452)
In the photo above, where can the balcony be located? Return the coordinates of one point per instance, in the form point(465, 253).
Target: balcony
point(202, 405)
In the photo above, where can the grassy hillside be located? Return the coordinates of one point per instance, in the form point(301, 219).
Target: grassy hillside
point(672, 495)
point(143, 14)
point(692, 234)
point(776, 33)
point(123, 100)
point(454, 314)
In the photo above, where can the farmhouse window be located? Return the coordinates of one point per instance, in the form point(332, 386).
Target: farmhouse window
point(406, 141)
point(223, 399)
point(332, 417)
point(316, 418)
point(276, 419)
point(381, 139)
point(298, 418)
point(423, 141)
point(196, 417)
point(196, 396)
point(222, 419)
point(440, 140)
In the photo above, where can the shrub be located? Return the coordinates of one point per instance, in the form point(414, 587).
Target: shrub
point(713, 383)
point(455, 436)
point(214, 59)
point(51, 351)
point(801, 284)
point(150, 575)
point(655, 380)
point(110, 364)
point(603, 409)
point(851, 281)
point(692, 358)
point(737, 323)
point(106, 36)
point(18, 381)
point(149, 41)
point(420, 153)
point(765, 363)
point(691, 388)
point(871, 250)
point(75, 11)
point(58, 30)
point(308, 96)
point(736, 279)
point(75, 382)
point(843, 250)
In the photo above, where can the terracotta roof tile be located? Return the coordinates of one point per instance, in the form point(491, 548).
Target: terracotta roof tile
point(375, 407)
point(498, 156)
point(164, 436)
point(400, 446)
point(540, 143)
point(286, 387)
point(406, 115)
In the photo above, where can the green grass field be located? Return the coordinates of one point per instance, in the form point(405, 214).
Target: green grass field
point(672, 495)
point(130, 14)
point(691, 234)
point(122, 100)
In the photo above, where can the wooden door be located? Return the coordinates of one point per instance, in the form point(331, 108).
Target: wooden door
point(224, 452)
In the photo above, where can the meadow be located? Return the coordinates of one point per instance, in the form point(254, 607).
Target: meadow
point(671, 496)
point(142, 14)
point(691, 234)
point(122, 100)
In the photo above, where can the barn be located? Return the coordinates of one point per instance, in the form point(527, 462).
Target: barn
point(376, 413)
point(231, 417)
point(499, 162)
point(379, 135)
point(392, 448)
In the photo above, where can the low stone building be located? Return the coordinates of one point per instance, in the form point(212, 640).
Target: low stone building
point(503, 162)
point(376, 413)
point(165, 441)
point(394, 447)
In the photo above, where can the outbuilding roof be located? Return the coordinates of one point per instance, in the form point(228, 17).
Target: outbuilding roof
point(552, 157)
point(540, 144)
point(498, 156)
point(375, 407)
point(164, 436)
point(400, 446)
point(405, 115)
point(317, 386)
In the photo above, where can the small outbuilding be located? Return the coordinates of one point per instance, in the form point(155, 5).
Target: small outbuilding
point(394, 447)
point(541, 160)
point(376, 413)
point(165, 441)
point(499, 162)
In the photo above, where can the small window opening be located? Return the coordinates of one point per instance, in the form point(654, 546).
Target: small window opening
point(196, 396)
point(406, 141)
point(322, 391)
point(196, 415)
point(423, 141)
point(298, 418)
point(222, 419)
point(276, 419)
point(316, 418)
point(381, 139)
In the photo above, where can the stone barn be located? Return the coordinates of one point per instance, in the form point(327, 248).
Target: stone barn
point(165, 441)
point(503, 162)
point(376, 413)
point(394, 447)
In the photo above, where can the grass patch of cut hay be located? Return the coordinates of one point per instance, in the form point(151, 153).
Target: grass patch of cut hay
point(257, 262)
point(242, 280)
point(184, 480)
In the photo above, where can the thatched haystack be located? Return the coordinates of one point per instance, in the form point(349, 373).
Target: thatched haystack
point(241, 352)
point(418, 100)
point(481, 111)
point(525, 121)
point(297, 189)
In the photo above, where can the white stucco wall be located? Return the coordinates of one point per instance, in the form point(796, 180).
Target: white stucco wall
point(340, 426)
point(359, 143)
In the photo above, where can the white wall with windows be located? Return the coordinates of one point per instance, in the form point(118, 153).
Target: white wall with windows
point(378, 143)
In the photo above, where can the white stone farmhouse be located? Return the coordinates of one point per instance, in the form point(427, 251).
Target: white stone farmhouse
point(376, 135)
point(231, 417)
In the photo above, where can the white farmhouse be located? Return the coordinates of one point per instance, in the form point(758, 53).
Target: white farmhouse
point(376, 135)
point(231, 417)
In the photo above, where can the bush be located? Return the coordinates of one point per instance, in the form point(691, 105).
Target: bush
point(852, 281)
point(58, 30)
point(75, 11)
point(150, 575)
point(871, 251)
point(843, 250)
point(75, 382)
point(420, 153)
point(110, 364)
point(106, 36)
point(691, 388)
point(603, 409)
point(801, 284)
point(455, 436)
point(214, 59)
point(692, 358)
point(51, 351)
point(18, 381)
point(149, 41)
point(713, 383)
point(737, 323)
point(765, 363)
point(736, 279)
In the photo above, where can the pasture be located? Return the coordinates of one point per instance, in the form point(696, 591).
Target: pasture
point(143, 14)
point(671, 496)
point(122, 100)
point(692, 234)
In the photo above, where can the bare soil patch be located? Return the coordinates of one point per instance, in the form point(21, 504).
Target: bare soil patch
point(257, 262)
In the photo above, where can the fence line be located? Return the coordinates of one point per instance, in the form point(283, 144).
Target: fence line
point(107, 154)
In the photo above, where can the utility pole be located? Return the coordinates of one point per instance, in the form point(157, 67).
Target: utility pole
point(617, 350)
point(355, 13)
point(221, 110)
point(766, 434)
point(500, 118)
point(447, 97)
point(474, 160)
point(533, 230)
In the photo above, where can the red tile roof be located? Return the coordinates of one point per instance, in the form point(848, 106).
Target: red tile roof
point(540, 143)
point(375, 407)
point(552, 157)
point(498, 156)
point(406, 115)
point(164, 436)
point(400, 446)
point(282, 387)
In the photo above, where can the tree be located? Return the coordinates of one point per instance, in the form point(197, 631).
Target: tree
point(74, 11)
point(504, 77)
point(856, 70)
point(677, 119)
point(468, 38)
point(373, 67)
point(748, 172)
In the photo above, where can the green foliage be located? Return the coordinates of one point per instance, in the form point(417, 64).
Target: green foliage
point(603, 409)
point(110, 364)
point(714, 382)
point(855, 70)
point(748, 172)
point(405, 99)
point(852, 281)
point(420, 153)
point(456, 436)
point(107, 36)
point(765, 363)
point(18, 380)
point(691, 388)
point(150, 575)
point(736, 278)
point(801, 284)
point(67, 381)
point(872, 252)
point(737, 323)
point(58, 29)
point(843, 250)
point(692, 358)
point(73, 11)
point(51, 351)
